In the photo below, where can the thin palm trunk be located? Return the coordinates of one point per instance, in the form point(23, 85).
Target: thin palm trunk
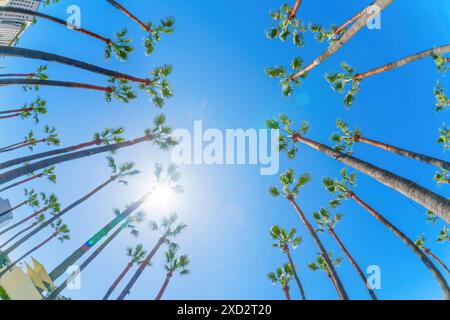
point(294, 271)
point(354, 264)
point(337, 45)
point(13, 145)
point(405, 153)
point(164, 286)
point(88, 261)
point(141, 269)
point(334, 275)
point(118, 280)
point(37, 176)
point(22, 145)
point(422, 256)
point(349, 21)
point(57, 216)
point(294, 10)
point(17, 75)
point(404, 61)
point(441, 263)
point(430, 200)
point(18, 234)
point(130, 15)
point(31, 216)
point(17, 161)
point(287, 293)
point(15, 115)
point(16, 110)
point(43, 243)
point(52, 83)
point(41, 55)
point(77, 254)
point(14, 208)
point(30, 168)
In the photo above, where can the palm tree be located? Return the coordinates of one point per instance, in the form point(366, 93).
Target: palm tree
point(283, 275)
point(326, 222)
point(137, 256)
point(30, 141)
point(105, 137)
point(444, 235)
point(160, 135)
point(120, 47)
point(119, 173)
point(343, 191)
point(48, 173)
point(31, 200)
point(420, 242)
point(283, 240)
point(169, 228)
point(290, 188)
point(61, 233)
point(321, 264)
point(348, 137)
point(287, 24)
point(139, 217)
point(33, 109)
point(444, 137)
point(173, 264)
point(430, 200)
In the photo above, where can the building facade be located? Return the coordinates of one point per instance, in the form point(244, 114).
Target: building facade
point(12, 25)
point(5, 206)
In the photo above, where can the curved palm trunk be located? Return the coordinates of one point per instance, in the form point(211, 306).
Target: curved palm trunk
point(27, 169)
point(41, 55)
point(43, 243)
point(46, 154)
point(141, 269)
point(354, 264)
point(294, 271)
point(294, 10)
point(56, 217)
point(38, 176)
point(23, 221)
point(130, 15)
point(348, 22)
point(52, 83)
point(404, 61)
point(334, 276)
point(405, 153)
point(13, 209)
point(83, 266)
point(337, 45)
point(442, 264)
point(164, 286)
point(287, 293)
point(77, 254)
point(430, 200)
point(15, 115)
point(118, 280)
point(18, 234)
point(422, 256)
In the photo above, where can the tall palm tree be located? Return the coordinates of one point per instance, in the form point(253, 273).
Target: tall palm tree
point(139, 217)
point(48, 173)
point(120, 47)
point(283, 240)
point(160, 135)
point(33, 109)
point(343, 190)
point(326, 222)
point(61, 232)
point(290, 188)
point(287, 24)
point(31, 200)
point(137, 256)
point(420, 242)
point(322, 265)
point(119, 173)
point(105, 137)
point(51, 139)
point(169, 229)
point(283, 275)
point(290, 138)
point(173, 264)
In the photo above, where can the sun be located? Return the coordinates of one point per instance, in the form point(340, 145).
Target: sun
point(163, 198)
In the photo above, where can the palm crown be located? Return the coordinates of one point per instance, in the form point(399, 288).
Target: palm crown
point(169, 228)
point(176, 263)
point(34, 109)
point(122, 171)
point(161, 134)
point(290, 184)
point(32, 198)
point(340, 80)
point(442, 101)
point(444, 137)
point(284, 238)
point(130, 222)
point(287, 82)
point(444, 235)
point(121, 47)
point(286, 25)
point(62, 230)
point(109, 135)
point(136, 254)
point(320, 263)
point(325, 220)
point(282, 275)
point(342, 188)
point(344, 141)
point(51, 202)
point(154, 34)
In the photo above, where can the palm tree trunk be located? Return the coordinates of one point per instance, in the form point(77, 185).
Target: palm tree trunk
point(13, 145)
point(294, 271)
point(17, 75)
point(55, 293)
point(43, 243)
point(294, 10)
point(422, 256)
point(404, 61)
point(56, 20)
point(348, 22)
point(13, 209)
point(354, 264)
point(118, 280)
point(23, 221)
point(287, 292)
point(52, 83)
point(29, 168)
point(41, 55)
point(16, 110)
point(405, 153)
point(339, 286)
point(46, 154)
point(15, 115)
point(77, 254)
point(38, 176)
point(141, 269)
point(431, 254)
point(130, 15)
point(164, 286)
point(18, 234)
point(22, 145)
point(430, 200)
point(337, 45)
point(56, 216)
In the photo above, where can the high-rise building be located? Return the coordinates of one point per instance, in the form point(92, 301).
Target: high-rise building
point(12, 25)
point(4, 207)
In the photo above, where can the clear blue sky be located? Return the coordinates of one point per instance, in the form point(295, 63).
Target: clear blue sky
point(219, 52)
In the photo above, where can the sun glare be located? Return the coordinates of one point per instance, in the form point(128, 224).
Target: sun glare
point(163, 198)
